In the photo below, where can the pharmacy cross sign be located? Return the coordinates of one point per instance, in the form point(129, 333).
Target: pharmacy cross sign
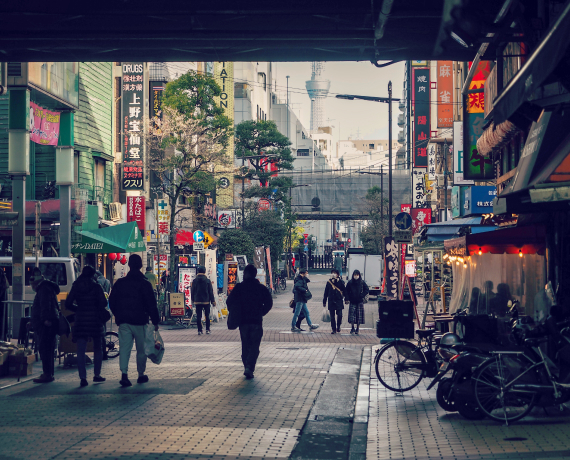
point(162, 204)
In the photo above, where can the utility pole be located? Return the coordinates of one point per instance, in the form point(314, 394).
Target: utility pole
point(390, 158)
point(445, 178)
point(382, 194)
point(38, 229)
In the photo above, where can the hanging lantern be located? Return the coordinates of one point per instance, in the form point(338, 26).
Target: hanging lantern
point(520, 253)
point(123, 260)
point(112, 256)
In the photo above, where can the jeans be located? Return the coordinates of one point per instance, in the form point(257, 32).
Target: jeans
point(301, 306)
point(251, 335)
point(46, 348)
point(199, 309)
point(128, 334)
point(97, 357)
point(335, 323)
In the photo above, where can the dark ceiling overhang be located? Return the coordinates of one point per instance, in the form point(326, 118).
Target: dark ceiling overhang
point(180, 30)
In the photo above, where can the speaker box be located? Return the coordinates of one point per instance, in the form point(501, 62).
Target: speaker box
point(401, 330)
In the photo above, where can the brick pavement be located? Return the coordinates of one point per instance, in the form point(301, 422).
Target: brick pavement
point(412, 426)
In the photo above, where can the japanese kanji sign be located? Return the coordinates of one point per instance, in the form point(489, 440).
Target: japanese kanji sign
point(420, 217)
point(136, 211)
point(392, 270)
point(185, 278)
point(163, 217)
point(444, 94)
point(421, 87)
point(155, 103)
point(419, 198)
point(406, 208)
point(432, 149)
point(44, 125)
point(132, 121)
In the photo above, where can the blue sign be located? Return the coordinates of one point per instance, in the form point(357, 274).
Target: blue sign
point(479, 199)
point(306, 249)
point(198, 236)
point(403, 221)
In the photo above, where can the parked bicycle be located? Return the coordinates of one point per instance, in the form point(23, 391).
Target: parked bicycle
point(280, 281)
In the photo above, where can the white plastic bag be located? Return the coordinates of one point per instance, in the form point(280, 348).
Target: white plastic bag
point(326, 318)
point(153, 344)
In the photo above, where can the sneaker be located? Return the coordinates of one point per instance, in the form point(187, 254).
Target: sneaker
point(338, 330)
point(142, 379)
point(356, 332)
point(314, 326)
point(301, 329)
point(333, 332)
point(199, 332)
point(207, 332)
point(44, 379)
point(352, 331)
point(125, 382)
point(83, 383)
point(295, 329)
point(98, 378)
point(248, 373)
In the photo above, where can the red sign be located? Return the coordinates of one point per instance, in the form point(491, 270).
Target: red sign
point(263, 205)
point(306, 235)
point(444, 94)
point(420, 217)
point(407, 208)
point(136, 211)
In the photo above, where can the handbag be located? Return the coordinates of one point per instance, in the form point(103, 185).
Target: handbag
point(64, 328)
point(292, 303)
point(326, 317)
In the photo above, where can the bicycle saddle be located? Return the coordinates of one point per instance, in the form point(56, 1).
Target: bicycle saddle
point(535, 342)
point(424, 333)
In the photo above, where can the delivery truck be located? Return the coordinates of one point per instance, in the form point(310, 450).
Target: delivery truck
point(369, 265)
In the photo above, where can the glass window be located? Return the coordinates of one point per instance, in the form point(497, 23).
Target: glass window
point(58, 78)
point(53, 271)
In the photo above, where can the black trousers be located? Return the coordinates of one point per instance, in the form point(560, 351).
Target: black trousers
point(300, 319)
point(251, 335)
point(46, 348)
point(335, 322)
point(206, 309)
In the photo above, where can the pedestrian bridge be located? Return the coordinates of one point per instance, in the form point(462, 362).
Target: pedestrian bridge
point(341, 192)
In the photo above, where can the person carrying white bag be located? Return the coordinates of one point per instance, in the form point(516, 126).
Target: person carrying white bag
point(153, 344)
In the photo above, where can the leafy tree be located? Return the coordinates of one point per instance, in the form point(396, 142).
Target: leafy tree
point(236, 241)
point(185, 143)
point(376, 229)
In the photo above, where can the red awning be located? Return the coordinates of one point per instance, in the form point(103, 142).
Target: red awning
point(184, 237)
point(527, 240)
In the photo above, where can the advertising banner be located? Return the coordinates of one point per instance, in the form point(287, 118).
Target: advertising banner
point(163, 217)
point(136, 211)
point(419, 197)
point(392, 259)
point(268, 252)
point(155, 103)
point(227, 219)
point(259, 258)
point(458, 155)
point(176, 304)
point(420, 217)
point(421, 86)
point(163, 264)
point(44, 125)
point(185, 277)
point(432, 150)
point(406, 208)
point(444, 94)
point(132, 123)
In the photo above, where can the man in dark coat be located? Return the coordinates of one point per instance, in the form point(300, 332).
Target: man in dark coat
point(202, 296)
point(88, 301)
point(132, 302)
point(251, 301)
point(45, 322)
point(301, 296)
point(334, 293)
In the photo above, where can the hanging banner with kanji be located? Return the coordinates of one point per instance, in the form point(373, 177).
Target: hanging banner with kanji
point(419, 196)
point(420, 217)
point(44, 125)
point(136, 211)
point(432, 149)
point(132, 124)
point(391, 257)
point(444, 94)
point(163, 217)
point(421, 89)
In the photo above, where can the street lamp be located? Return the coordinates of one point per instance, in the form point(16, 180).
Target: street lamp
point(389, 101)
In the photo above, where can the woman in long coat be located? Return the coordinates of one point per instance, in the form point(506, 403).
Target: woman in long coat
point(88, 301)
point(355, 292)
point(334, 293)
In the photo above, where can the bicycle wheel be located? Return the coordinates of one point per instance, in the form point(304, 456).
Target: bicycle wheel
point(283, 284)
point(112, 344)
point(400, 366)
point(492, 395)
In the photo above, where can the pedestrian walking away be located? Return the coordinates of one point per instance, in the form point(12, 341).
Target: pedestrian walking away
point(45, 322)
point(354, 293)
point(334, 293)
point(88, 301)
point(132, 302)
point(338, 262)
point(302, 296)
point(202, 295)
point(106, 285)
point(149, 275)
point(250, 301)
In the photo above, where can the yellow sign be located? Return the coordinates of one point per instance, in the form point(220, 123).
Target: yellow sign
point(208, 239)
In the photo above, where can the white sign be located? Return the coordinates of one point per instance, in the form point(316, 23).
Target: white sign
point(227, 219)
point(458, 155)
point(419, 198)
point(198, 246)
point(403, 236)
point(163, 217)
point(185, 277)
point(432, 149)
point(163, 264)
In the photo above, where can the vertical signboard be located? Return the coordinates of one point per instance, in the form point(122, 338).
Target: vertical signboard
point(156, 89)
point(420, 217)
point(224, 76)
point(432, 150)
point(406, 208)
point(419, 197)
point(136, 211)
point(185, 277)
point(132, 116)
point(458, 155)
point(163, 217)
point(421, 117)
point(444, 94)
point(475, 165)
point(392, 259)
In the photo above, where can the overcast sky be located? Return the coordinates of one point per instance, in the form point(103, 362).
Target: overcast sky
point(361, 78)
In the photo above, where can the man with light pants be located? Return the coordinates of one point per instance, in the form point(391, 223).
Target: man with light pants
point(132, 302)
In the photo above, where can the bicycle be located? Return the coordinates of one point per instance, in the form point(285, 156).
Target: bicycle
point(280, 282)
point(401, 365)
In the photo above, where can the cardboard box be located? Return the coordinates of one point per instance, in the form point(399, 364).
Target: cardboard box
point(21, 365)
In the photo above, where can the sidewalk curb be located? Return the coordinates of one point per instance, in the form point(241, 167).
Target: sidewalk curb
point(359, 436)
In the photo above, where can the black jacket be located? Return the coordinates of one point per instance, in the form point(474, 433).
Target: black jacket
point(132, 300)
point(251, 301)
point(355, 291)
point(45, 306)
point(201, 290)
point(301, 290)
point(87, 300)
point(334, 296)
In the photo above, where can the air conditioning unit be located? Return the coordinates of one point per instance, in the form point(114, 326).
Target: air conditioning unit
point(115, 211)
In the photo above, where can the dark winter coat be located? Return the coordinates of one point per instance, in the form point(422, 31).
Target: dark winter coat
point(45, 306)
point(251, 301)
point(201, 291)
point(355, 291)
point(334, 296)
point(87, 300)
point(301, 290)
point(132, 300)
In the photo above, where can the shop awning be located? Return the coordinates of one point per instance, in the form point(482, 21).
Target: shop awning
point(526, 240)
point(441, 231)
point(119, 238)
point(496, 136)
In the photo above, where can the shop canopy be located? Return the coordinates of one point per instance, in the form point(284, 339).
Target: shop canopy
point(515, 240)
point(119, 238)
point(441, 231)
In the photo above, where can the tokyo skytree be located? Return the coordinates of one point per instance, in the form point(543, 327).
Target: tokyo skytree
point(318, 89)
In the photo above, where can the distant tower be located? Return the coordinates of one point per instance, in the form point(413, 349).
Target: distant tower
point(318, 90)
